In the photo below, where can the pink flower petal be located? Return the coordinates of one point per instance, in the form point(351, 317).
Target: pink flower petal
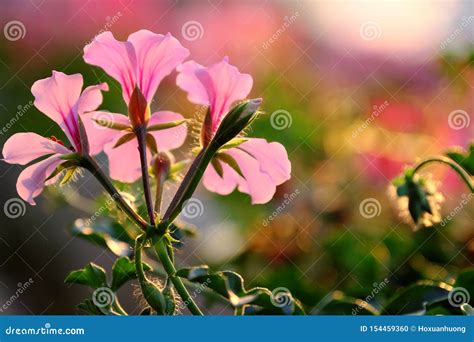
point(264, 166)
point(223, 85)
point(90, 99)
point(22, 148)
point(31, 180)
point(56, 96)
point(98, 135)
point(272, 157)
point(124, 161)
point(157, 56)
point(117, 58)
point(170, 138)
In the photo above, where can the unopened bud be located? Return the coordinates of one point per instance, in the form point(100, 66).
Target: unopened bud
point(236, 121)
point(138, 109)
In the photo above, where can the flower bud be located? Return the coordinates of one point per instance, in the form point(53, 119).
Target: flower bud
point(161, 166)
point(154, 297)
point(236, 121)
point(138, 109)
point(418, 199)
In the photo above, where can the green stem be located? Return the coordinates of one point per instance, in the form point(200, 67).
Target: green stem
point(189, 184)
point(141, 137)
point(455, 166)
point(138, 262)
point(90, 164)
point(118, 308)
point(164, 257)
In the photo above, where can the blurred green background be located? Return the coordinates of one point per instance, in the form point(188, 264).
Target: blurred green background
point(354, 90)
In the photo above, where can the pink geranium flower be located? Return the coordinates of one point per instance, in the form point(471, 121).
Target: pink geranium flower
point(255, 166)
point(139, 65)
point(60, 98)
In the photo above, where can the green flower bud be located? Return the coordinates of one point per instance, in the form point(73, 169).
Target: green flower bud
point(236, 121)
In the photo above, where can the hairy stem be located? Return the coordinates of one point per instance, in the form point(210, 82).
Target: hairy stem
point(447, 161)
point(141, 136)
point(90, 164)
point(161, 251)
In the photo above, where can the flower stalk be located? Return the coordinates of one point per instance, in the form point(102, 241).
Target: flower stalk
point(162, 252)
point(90, 164)
point(447, 161)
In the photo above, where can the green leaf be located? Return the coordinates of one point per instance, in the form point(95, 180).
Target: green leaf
point(88, 306)
point(463, 158)
point(465, 282)
point(337, 303)
point(105, 233)
point(229, 160)
point(151, 143)
point(124, 139)
point(165, 125)
point(230, 285)
point(416, 298)
point(233, 143)
point(218, 167)
point(467, 309)
point(91, 275)
point(123, 270)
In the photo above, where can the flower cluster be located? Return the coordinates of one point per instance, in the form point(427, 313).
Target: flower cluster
point(252, 165)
